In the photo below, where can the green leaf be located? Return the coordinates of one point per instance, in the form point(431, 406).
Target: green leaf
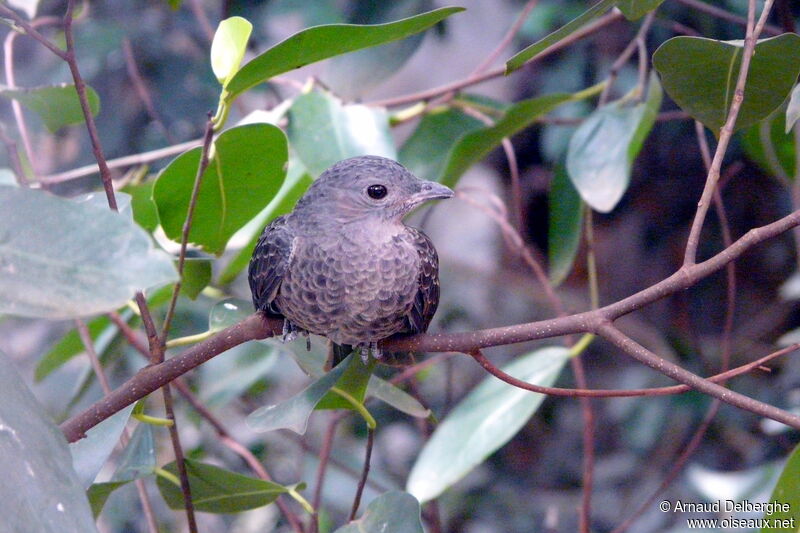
point(144, 209)
point(483, 422)
point(700, 75)
point(293, 413)
point(793, 110)
point(353, 74)
point(786, 493)
point(90, 453)
point(563, 32)
point(196, 276)
point(40, 491)
point(768, 145)
point(391, 512)
point(228, 47)
point(69, 346)
point(396, 397)
point(636, 9)
point(353, 382)
point(58, 105)
point(228, 312)
point(321, 42)
point(139, 458)
point(603, 148)
point(247, 169)
point(564, 226)
point(99, 492)
point(323, 131)
point(216, 490)
point(296, 182)
point(475, 145)
point(62, 259)
point(426, 150)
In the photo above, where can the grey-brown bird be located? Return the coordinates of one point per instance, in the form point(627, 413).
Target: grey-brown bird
point(343, 264)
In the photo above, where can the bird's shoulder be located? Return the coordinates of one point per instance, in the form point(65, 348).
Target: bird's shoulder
point(426, 299)
point(270, 261)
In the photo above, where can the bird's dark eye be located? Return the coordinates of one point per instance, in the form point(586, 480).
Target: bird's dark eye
point(376, 192)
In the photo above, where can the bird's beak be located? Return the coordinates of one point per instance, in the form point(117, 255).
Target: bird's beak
point(430, 190)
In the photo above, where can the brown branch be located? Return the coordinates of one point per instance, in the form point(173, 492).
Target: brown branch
point(140, 86)
point(180, 462)
point(364, 475)
point(643, 355)
point(91, 127)
point(187, 224)
point(258, 327)
point(507, 38)
point(722, 14)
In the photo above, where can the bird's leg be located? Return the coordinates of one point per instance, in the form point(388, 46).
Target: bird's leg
point(289, 331)
point(370, 348)
point(308, 341)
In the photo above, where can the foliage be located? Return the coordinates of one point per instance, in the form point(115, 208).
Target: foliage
point(185, 231)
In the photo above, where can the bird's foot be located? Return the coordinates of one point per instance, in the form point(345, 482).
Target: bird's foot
point(289, 331)
point(368, 349)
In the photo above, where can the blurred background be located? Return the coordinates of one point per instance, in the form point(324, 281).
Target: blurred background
point(149, 65)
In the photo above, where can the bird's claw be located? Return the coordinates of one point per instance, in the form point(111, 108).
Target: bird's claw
point(289, 331)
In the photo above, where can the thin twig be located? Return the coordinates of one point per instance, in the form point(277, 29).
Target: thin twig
point(31, 31)
point(180, 462)
point(322, 468)
point(187, 224)
point(364, 475)
point(507, 38)
point(13, 156)
point(623, 58)
point(80, 88)
point(726, 133)
point(428, 94)
point(140, 86)
point(727, 16)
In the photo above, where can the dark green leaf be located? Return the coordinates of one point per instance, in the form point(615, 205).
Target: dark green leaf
point(293, 413)
point(39, 490)
point(353, 382)
point(216, 490)
point(636, 9)
point(196, 276)
point(475, 145)
point(90, 453)
point(58, 106)
point(321, 42)
point(323, 131)
point(144, 209)
point(700, 75)
point(566, 30)
point(296, 182)
point(482, 422)
point(564, 226)
point(99, 492)
point(247, 169)
point(426, 150)
point(391, 512)
point(786, 493)
point(64, 259)
point(770, 147)
point(793, 110)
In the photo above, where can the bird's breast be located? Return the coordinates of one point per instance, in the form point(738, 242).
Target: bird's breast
point(352, 287)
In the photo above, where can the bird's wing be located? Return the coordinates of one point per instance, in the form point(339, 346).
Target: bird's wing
point(268, 265)
point(427, 298)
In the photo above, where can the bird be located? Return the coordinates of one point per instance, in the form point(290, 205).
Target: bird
point(343, 264)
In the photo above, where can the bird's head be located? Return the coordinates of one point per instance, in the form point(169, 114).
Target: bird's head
point(368, 187)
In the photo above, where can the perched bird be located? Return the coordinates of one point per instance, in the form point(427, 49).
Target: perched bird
point(343, 264)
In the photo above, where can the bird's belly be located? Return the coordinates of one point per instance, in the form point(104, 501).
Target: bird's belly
point(349, 297)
